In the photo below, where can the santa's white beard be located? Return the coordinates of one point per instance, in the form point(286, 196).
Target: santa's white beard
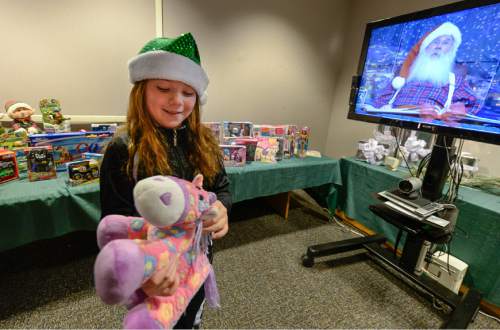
point(433, 70)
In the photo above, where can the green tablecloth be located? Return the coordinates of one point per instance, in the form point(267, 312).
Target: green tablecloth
point(261, 179)
point(476, 240)
point(31, 211)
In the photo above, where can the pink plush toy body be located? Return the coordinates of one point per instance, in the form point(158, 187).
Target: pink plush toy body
point(134, 248)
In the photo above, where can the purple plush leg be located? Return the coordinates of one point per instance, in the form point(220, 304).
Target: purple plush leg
point(118, 271)
point(139, 318)
point(112, 227)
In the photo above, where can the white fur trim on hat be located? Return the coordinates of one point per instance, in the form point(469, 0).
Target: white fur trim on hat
point(15, 106)
point(203, 98)
point(446, 28)
point(398, 82)
point(170, 66)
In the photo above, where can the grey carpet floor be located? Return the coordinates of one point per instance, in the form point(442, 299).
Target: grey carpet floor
point(261, 281)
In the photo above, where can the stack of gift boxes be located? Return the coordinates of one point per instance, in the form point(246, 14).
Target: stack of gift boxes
point(41, 152)
point(42, 156)
point(244, 142)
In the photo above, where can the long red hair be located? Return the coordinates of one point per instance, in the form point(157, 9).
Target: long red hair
point(146, 140)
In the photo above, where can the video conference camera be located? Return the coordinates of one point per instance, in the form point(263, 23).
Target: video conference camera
point(410, 187)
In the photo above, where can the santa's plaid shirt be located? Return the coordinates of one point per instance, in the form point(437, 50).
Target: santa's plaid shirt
point(415, 93)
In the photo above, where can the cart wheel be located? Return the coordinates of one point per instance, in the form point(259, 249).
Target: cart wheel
point(307, 261)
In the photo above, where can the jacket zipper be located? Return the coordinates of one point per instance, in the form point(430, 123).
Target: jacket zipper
point(175, 137)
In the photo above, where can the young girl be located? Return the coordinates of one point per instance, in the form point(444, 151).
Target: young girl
point(165, 136)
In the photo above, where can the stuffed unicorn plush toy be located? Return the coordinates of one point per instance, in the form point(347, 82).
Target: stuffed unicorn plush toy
point(133, 248)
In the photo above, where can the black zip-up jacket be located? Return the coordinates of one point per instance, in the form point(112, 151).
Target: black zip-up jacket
point(117, 188)
point(117, 191)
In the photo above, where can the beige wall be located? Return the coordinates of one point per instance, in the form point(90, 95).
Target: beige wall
point(269, 61)
point(343, 133)
point(72, 50)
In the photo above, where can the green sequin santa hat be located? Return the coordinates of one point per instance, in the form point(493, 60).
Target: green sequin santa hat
point(171, 59)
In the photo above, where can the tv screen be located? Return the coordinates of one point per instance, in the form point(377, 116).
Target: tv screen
point(436, 70)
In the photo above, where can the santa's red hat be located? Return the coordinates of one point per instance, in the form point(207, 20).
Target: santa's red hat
point(446, 28)
point(12, 105)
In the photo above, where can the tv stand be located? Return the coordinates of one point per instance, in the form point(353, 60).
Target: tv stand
point(465, 307)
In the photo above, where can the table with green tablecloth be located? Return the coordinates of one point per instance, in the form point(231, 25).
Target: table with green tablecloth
point(31, 211)
point(45, 209)
point(263, 179)
point(476, 240)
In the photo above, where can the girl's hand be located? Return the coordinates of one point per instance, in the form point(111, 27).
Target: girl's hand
point(164, 282)
point(215, 221)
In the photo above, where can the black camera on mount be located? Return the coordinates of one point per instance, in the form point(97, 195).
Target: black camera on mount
point(410, 187)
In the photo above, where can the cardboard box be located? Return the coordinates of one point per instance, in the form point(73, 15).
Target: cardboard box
point(69, 147)
point(41, 165)
point(8, 166)
point(269, 149)
point(216, 129)
point(446, 270)
point(237, 128)
point(104, 127)
point(249, 143)
point(233, 155)
point(83, 171)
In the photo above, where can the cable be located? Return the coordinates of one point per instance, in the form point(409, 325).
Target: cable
point(450, 172)
point(423, 164)
point(490, 316)
point(402, 154)
point(459, 179)
point(456, 172)
point(333, 217)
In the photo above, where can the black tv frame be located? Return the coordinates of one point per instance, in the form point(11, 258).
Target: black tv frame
point(486, 137)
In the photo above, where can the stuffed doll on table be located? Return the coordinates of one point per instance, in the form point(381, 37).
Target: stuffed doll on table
point(21, 114)
point(133, 248)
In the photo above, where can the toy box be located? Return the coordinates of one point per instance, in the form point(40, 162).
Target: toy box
point(286, 132)
point(70, 146)
point(216, 129)
point(269, 130)
point(8, 166)
point(41, 165)
point(249, 143)
point(83, 171)
point(22, 161)
point(93, 155)
point(10, 140)
point(233, 155)
point(237, 128)
point(289, 141)
point(103, 127)
point(269, 149)
point(303, 141)
point(52, 117)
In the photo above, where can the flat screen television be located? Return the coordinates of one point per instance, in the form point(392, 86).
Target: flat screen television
point(435, 70)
